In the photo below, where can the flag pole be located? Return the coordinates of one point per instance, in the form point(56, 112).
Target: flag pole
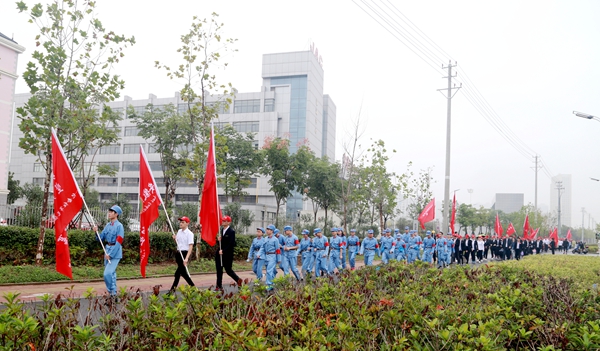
point(94, 225)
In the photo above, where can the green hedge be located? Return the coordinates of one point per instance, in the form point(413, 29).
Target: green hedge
point(18, 245)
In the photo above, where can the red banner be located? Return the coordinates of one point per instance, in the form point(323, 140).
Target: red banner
point(569, 236)
point(526, 227)
point(210, 210)
point(67, 203)
point(498, 226)
point(453, 215)
point(428, 213)
point(151, 200)
point(510, 230)
point(554, 236)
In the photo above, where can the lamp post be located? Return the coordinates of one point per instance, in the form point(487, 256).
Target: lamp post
point(586, 116)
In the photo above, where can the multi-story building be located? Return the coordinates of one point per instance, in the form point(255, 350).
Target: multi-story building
point(561, 184)
point(290, 104)
point(509, 203)
point(9, 55)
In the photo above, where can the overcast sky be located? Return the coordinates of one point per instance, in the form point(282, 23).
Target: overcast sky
point(534, 62)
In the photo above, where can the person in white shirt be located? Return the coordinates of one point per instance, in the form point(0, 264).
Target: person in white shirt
point(480, 247)
point(185, 244)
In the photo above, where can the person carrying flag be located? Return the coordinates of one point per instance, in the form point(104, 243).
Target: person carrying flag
point(185, 244)
point(113, 235)
point(224, 256)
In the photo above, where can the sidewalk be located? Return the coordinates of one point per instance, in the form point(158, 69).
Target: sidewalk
point(33, 292)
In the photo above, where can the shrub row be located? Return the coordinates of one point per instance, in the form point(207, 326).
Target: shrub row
point(394, 307)
point(18, 245)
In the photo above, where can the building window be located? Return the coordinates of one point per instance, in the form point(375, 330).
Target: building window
point(182, 108)
point(110, 149)
point(117, 130)
point(186, 198)
point(113, 165)
point(160, 181)
point(246, 106)
point(155, 166)
point(117, 110)
point(269, 105)
point(220, 125)
point(153, 148)
point(255, 144)
point(106, 196)
point(131, 148)
point(221, 107)
point(103, 181)
point(38, 181)
point(186, 183)
point(131, 131)
point(246, 127)
point(131, 196)
point(130, 181)
point(253, 183)
point(37, 167)
point(131, 166)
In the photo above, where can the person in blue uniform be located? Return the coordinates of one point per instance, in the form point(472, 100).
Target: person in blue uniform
point(321, 247)
point(269, 251)
point(388, 246)
point(400, 248)
point(335, 252)
point(414, 243)
point(369, 247)
point(112, 235)
point(344, 248)
point(441, 248)
point(353, 246)
point(306, 253)
point(257, 262)
point(280, 260)
point(428, 246)
point(290, 252)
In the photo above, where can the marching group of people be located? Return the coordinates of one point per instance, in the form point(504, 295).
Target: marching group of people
point(322, 255)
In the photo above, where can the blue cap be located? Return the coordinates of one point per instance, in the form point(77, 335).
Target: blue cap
point(334, 229)
point(352, 230)
point(388, 230)
point(261, 229)
point(406, 227)
point(305, 232)
point(117, 209)
point(412, 232)
point(370, 231)
point(317, 230)
point(276, 231)
point(271, 227)
point(287, 227)
point(396, 230)
point(428, 232)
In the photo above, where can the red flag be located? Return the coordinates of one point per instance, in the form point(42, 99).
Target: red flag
point(554, 236)
point(428, 213)
point(510, 230)
point(498, 226)
point(526, 227)
point(67, 202)
point(569, 237)
point(453, 216)
point(210, 210)
point(534, 234)
point(151, 200)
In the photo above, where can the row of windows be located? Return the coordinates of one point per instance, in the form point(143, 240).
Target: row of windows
point(241, 127)
point(246, 106)
point(178, 198)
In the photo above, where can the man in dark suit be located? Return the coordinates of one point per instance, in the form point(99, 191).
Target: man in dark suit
point(224, 256)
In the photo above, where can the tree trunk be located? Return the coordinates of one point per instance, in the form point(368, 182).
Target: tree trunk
point(40, 247)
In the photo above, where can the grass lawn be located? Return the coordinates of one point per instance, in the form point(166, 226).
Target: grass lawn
point(583, 270)
point(34, 274)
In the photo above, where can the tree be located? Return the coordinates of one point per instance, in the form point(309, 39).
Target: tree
point(171, 135)
point(14, 189)
point(70, 80)
point(285, 170)
point(466, 216)
point(323, 184)
point(348, 169)
point(33, 193)
point(240, 218)
point(418, 190)
point(238, 161)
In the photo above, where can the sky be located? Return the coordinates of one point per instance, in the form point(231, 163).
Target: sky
point(532, 62)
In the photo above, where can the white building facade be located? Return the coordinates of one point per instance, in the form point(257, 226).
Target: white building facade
point(290, 104)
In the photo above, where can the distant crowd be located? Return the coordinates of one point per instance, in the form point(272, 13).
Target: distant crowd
point(322, 255)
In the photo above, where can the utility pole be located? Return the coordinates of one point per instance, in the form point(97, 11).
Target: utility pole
point(582, 221)
point(536, 179)
point(559, 187)
point(449, 95)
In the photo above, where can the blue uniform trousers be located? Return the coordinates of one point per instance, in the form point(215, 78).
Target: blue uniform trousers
point(428, 255)
point(334, 261)
point(369, 256)
point(110, 275)
point(257, 267)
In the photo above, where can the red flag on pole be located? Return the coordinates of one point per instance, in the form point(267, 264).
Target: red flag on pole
point(534, 234)
point(498, 226)
point(453, 216)
point(526, 227)
point(210, 210)
point(510, 230)
point(151, 200)
point(67, 202)
point(428, 213)
point(554, 236)
point(569, 237)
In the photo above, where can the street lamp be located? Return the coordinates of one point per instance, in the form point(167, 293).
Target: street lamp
point(595, 179)
point(586, 116)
